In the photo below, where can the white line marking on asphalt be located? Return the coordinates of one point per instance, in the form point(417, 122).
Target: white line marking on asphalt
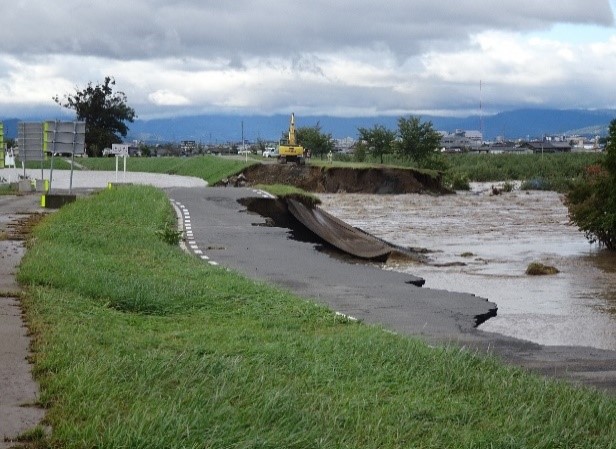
point(263, 193)
point(186, 226)
point(348, 317)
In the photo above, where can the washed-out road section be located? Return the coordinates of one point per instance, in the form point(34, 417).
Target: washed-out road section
point(228, 234)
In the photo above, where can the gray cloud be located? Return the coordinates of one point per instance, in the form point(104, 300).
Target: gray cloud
point(143, 29)
point(343, 57)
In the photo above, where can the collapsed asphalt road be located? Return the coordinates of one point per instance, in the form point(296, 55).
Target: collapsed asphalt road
point(235, 238)
point(223, 231)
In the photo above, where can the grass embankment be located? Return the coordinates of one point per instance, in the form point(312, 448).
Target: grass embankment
point(210, 168)
point(137, 344)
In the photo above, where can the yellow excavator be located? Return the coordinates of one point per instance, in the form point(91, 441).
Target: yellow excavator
point(288, 149)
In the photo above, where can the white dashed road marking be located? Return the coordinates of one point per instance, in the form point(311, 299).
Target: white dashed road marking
point(184, 218)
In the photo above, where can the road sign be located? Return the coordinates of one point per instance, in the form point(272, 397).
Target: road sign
point(119, 149)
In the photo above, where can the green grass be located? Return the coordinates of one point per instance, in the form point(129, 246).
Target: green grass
point(59, 163)
point(137, 344)
point(8, 189)
point(286, 191)
point(549, 171)
point(210, 168)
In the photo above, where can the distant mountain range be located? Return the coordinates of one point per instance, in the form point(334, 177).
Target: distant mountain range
point(517, 124)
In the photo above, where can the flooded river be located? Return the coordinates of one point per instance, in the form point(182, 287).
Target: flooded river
point(482, 243)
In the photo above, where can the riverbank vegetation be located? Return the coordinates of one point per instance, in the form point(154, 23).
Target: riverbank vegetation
point(137, 344)
point(553, 171)
point(592, 200)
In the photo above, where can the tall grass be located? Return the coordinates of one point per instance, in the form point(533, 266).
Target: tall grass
point(210, 168)
point(554, 171)
point(137, 344)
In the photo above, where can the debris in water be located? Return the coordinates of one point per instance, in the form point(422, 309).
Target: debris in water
point(539, 269)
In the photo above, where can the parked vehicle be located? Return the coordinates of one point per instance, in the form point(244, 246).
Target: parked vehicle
point(270, 152)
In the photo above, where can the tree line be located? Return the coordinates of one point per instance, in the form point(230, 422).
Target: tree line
point(413, 141)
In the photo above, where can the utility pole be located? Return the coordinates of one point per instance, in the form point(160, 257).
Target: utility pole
point(243, 144)
point(480, 112)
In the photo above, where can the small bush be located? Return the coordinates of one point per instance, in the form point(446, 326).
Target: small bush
point(170, 234)
point(360, 153)
point(460, 182)
point(539, 269)
point(508, 187)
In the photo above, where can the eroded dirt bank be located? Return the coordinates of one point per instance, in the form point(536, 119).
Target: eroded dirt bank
point(379, 180)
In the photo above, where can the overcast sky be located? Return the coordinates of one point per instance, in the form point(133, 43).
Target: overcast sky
point(331, 57)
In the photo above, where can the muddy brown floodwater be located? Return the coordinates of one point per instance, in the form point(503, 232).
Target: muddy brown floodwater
point(482, 243)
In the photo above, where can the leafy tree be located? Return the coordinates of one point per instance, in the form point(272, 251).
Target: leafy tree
point(378, 139)
point(359, 155)
point(312, 139)
point(104, 111)
point(592, 201)
point(418, 141)
point(145, 149)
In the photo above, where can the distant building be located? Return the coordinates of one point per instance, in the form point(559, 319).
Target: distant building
point(345, 145)
point(461, 140)
point(188, 147)
point(546, 146)
point(509, 148)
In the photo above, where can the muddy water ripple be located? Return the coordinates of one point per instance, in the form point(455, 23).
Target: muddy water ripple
point(482, 243)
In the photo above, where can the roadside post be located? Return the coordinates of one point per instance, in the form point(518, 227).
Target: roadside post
point(120, 150)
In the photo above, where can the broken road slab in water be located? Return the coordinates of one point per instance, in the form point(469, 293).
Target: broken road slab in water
point(360, 290)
